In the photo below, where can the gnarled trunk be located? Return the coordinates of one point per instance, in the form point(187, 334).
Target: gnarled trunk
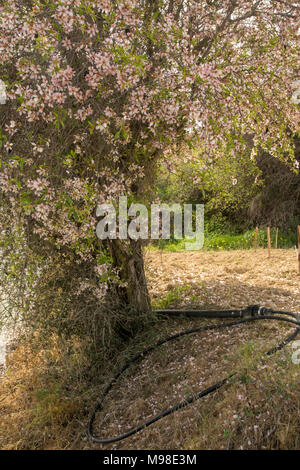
point(128, 258)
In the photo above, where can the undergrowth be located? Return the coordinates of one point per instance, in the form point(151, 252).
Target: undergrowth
point(227, 241)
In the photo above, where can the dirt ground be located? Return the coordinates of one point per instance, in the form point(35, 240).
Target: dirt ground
point(228, 279)
point(258, 409)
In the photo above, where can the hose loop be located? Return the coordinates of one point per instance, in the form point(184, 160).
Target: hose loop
point(249, 314)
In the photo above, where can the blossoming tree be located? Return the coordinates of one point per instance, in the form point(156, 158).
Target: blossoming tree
point(97, 92)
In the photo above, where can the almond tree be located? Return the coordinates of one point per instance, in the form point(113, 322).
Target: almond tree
point(98, 91)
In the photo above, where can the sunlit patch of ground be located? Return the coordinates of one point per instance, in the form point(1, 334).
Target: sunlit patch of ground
point(227, 279)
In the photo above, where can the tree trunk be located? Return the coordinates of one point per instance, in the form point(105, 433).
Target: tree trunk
point(128, 259)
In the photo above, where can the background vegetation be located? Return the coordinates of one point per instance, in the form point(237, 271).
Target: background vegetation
point(253, 190)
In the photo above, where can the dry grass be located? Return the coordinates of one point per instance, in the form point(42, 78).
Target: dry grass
point(227, 279)
point(44, 405)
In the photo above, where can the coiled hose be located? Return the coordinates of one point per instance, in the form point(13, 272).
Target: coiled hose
point(249, 314)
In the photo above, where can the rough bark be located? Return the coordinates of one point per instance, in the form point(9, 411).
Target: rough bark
point(128, 258)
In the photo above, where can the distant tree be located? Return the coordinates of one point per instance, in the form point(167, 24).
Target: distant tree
point(278, 200)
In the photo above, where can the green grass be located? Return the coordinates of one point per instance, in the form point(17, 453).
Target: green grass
point(218, 241)
point(173, 297)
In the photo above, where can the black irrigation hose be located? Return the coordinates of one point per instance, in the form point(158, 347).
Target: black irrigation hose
point(252, 313)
